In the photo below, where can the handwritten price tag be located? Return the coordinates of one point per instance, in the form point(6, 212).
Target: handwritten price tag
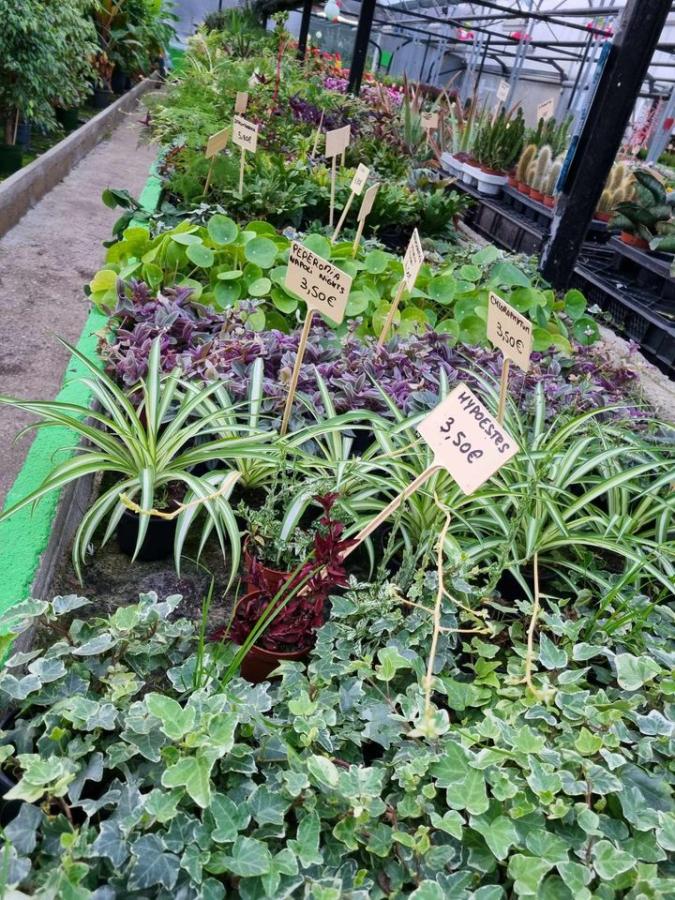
point(412, 261)
point(318, 282)
point(367, 202)
point(466, 439)
point(359, 179)
point(241, 102)
point(509, 331)
point(502, 90)
point(545, 109)
point(217, 142)
point(245, 134)
point(429, 120)
point(337, 140)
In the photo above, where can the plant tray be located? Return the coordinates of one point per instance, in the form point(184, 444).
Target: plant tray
point(638, 313)
point(505, 226)
point(646, 270)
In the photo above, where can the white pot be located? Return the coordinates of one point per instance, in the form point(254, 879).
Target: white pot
point(451, 164)
point(470, 174)
point(490, 184)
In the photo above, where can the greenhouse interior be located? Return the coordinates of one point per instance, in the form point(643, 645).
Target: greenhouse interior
point(337, 426)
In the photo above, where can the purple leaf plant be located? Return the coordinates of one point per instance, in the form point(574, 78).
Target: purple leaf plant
point(212, 345)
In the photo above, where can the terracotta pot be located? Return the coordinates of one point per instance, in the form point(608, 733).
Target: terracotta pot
point(275, 577)
point(513, 181)
point(524, 188)
point(549, 201)
point(634, 241)
point(602, 216)
point(537, 195)
point(258, 662)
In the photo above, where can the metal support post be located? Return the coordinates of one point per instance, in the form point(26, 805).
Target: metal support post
point(304, 28)
point(625, 66)
point(662, 129)
point(361, 45)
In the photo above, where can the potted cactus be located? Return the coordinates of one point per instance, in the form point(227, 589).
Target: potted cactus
point(524, 163)
point(618, 189)
point(551, 180)
point(646, 215)
point(538, 172)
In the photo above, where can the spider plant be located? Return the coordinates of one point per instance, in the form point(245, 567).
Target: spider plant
point(586, 494)
point(147, 447)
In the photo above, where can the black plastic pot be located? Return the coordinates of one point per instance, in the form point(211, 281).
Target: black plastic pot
point(158, 543)
point(11, 159)
point(69, 118)
point(103, 98)
point(23, 135)
point(120, 81)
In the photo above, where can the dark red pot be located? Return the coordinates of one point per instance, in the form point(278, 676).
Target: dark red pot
point(634, 241)
point(513, 181)
point(275, 577)
point(537, 195)
point(602, 216)
point(549, 201)
point(258, 662)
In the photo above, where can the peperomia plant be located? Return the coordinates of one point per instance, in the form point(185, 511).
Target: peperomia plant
point(224, 265)
point(139, 774)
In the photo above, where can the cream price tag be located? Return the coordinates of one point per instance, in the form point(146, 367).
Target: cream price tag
point(429, 120)
point(359, 179)
point(245, 134)
point(509, 331)
point(337, 140)
point(367, 202)
point(502, 90)
point(241, 102)
point(466, 439)
point(318, 282)
point(545, 109)
point(216, 142)
point(412, 261)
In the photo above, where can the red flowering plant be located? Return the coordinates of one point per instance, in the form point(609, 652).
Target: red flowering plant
point(293, 612)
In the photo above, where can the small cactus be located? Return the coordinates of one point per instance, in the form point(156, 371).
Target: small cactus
point(553, 176)
point(526, 158)
point(541, 168)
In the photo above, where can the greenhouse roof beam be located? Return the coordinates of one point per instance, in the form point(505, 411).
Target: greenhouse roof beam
point(539, 16)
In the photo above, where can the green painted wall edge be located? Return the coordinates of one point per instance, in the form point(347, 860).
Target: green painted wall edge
point(24, 537)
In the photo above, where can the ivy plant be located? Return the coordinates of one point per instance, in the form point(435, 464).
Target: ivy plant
point(139, 772)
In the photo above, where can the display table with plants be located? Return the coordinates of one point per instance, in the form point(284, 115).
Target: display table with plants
point(384, 692)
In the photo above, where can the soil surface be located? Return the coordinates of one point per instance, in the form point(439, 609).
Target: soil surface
point(44, 262)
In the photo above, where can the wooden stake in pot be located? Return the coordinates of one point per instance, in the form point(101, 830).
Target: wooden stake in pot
point(325, 289)
point(412, 262)
point(511, 333)
point(214, 145)
point(366, 206)
point(466, 441)
point(245, 136)
point(355, 188)
point(336, 141)
point(429, 121)
point(241, 103)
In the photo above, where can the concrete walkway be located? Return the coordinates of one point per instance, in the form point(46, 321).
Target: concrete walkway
point(44, 262)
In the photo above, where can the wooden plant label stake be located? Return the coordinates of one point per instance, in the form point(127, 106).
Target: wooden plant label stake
point(241, 102)
point(511, 332)
point(337, 140)
point(317, 136)
point(366, 206)
point(412, 262)
point(466, 441)
point(245, 136)
point(429, 121)
point(325, 289)
point(502, 91)
point(355, 188)
point(546, 109)
point(214, 145)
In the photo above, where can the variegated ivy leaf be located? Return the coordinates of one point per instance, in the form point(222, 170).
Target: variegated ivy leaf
point(152, 864)
point(634, 671)
point(194, 774)
point(40, 776)
point(176, 720)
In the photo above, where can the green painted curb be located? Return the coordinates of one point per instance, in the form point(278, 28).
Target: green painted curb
point(24, 537)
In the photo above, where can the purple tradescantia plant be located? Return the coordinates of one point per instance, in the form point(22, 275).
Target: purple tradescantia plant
point(209, 345)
